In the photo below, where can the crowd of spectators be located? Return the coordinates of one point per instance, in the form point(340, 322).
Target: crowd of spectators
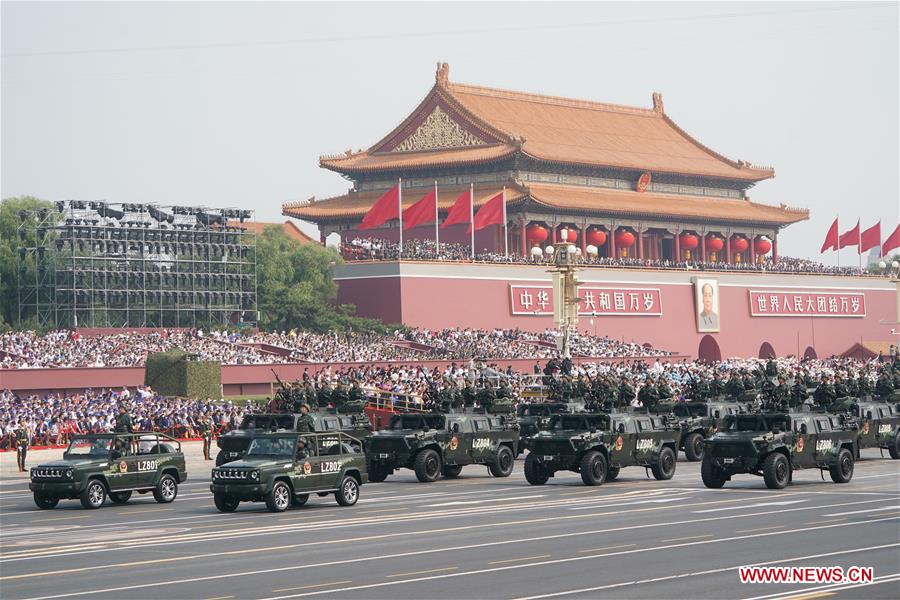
point(363, 249)
point(54, 418)
point(61, 349)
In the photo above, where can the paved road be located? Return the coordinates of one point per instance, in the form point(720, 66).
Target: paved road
point(476, 537)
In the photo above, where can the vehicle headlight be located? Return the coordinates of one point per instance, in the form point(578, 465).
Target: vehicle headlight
point(69, 473)
point(254, 475)
point(212, 474)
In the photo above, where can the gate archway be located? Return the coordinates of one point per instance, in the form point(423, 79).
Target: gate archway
point(766, 350)
point(810, 353)
point(709, 349)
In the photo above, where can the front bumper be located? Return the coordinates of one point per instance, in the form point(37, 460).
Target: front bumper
point(60, 489)
point(242, 491)
point(736, 464)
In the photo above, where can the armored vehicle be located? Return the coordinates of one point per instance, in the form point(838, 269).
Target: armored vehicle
point(436, 444)
point(234, 444)
point(284, 468)
point(774, 444)
point(699, 420)
point(530, 415)
point(598, 445)
point(879, 426)
point(95, 467)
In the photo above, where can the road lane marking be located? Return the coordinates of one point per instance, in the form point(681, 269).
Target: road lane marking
point(759, 529)
point(219, 525)
point(467, 547)
point(509, 560)
point(608, 548)
point(811, 596)
point(445, 569)
point(220, 598)
point(60, 518)
point(470, 502)
point(757, 505)
point(825, 521)
point(856, 512)
point(692, 537)
point(315, 585)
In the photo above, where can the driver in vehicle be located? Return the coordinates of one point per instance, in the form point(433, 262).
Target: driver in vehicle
point(302, 452)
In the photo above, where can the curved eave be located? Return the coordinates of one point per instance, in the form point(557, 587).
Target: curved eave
point(366, 162)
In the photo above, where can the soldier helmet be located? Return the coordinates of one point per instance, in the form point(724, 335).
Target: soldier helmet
point(305, 405)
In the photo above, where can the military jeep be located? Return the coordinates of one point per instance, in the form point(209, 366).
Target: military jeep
point(774, 444)
point(879, 426)
point(283, 469)
point(530, 416)
point(436, 444)
point(95, 467)
point(699, 420)
point(598, 445)
point(234, 444)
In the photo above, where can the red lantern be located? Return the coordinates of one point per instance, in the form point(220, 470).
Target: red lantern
point(714, 244)
point(596, 237)
point(536, 234)
point(571, 235)
point(688, 241)
point(739, 244)
point(624, 239)
point(762, 245)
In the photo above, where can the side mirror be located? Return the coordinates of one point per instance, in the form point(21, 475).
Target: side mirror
point(621, 427)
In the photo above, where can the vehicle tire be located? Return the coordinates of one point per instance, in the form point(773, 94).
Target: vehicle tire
point(220, 458)
point(503, 466)
point(166, 489)
point(593, 468)
point(451, 471)
point(612, 473)
point(94, 495)
point(348, 493)
point(377, 473)
point(225, 503)
point(713, 476)
point(535, 472)
point(45, 502)
point(894, 448)
point(693, 447)
point(299, 500)
point(427, 466)
point(279, 497)
point(120, 497)
point(842, 470)
point(664, 468)
point(776, 471)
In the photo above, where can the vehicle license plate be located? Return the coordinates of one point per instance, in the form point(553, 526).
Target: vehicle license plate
point(728, 461)
point(384, 455)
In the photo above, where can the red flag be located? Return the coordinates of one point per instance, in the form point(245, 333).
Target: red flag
point(849, 238)
point(892, 241)
point(870, 238)
point(491, 213)
point(460, 211)
point(420, 212)
point(386, 208)
point(831, 238)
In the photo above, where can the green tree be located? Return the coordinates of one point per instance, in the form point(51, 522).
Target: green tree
point(296, 288)
point(9, 261)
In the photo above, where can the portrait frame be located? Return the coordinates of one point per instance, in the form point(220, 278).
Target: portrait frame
point(709, 318)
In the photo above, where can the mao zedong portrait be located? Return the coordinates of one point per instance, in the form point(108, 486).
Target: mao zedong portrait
point(709, 319)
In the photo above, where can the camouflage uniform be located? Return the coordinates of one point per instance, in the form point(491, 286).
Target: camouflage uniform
point(21, 446)
point(305, 422)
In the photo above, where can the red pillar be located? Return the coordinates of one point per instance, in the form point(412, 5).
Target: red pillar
point(775, 248)
point(582, 237)
point(612, 241)
point(703, 247)
point(728, 248)
point(677, 245)
point(751, 249)
point(640, 241)
point(553, 233)
point(523, 245)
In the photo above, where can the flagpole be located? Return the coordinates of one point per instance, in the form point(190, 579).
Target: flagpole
point(472, 215)
point(859, 243)
point(838, 249)
point(505, 232)
point(437, 235)
point(400, 210)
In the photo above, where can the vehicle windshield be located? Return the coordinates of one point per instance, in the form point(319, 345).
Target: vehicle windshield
point(265, 422)
point(691, 410)
point(417, 422)
point(578, 422)
point(89, 447)
point(271, 446)
point(539, 410)
point(759, 423)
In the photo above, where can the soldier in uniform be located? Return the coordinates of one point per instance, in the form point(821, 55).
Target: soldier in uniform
point(323, 395)
point(649, 395)
point(798, 393)
point(825, 394)
point(626, 393)
point(207, 435)
point(486, 396)
point(21, 445)
point(840, 387)
point(302, 450)
point(469, 394)
point(124, 424)
point(884, 387)
point(340, 396)
point(356, 392)
point(864, 385)
point(662, 386)
point(781, 393)
point(735, 386)
point(305, 422)
point(716, 386)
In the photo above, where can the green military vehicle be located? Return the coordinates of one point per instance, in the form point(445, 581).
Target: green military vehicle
point(598, 445)
point(284, 468)
point(95, 467)
point(436, 444)
point(530, 416)
point(234, 444)
point(879, 426)
point(699, 420)
point(772, 444)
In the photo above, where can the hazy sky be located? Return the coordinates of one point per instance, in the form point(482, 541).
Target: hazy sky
point(231, 104)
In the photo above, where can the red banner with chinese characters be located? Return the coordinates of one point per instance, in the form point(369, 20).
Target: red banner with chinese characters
point(595, 301)
point(781, 303)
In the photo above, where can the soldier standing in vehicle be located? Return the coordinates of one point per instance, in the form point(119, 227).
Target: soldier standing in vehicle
point(21, 445)
point(305, 423)
point(662, 386)
point(825, 394)
point(884, 387)
point(626, 393)
point(649, 395)
point(734, 387)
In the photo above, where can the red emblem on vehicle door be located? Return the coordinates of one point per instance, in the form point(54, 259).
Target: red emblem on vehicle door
point(123, 467)
point(307, 468)
point(619, 443)
point(800, 444)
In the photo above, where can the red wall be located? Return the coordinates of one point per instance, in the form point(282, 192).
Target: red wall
point(437, 296)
